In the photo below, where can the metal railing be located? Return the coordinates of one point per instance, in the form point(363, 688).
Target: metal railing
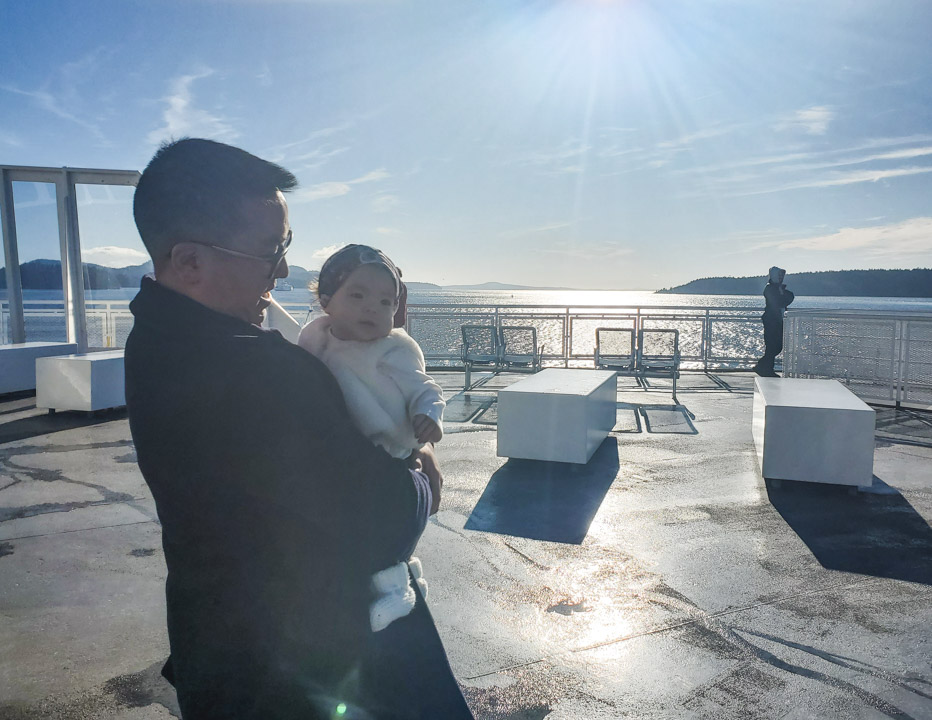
point(108, 322)
point(884, 357)
point(710, 337)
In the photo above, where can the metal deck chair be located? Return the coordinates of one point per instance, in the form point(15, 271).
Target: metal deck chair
point(658, 354)
point(519, 349)
point(615, 349)
point(480, 347)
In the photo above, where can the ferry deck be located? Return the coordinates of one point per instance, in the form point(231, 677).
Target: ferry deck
point(663, 579)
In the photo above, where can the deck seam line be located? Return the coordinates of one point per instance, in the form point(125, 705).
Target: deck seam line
point(675, 626)
point(63, 532)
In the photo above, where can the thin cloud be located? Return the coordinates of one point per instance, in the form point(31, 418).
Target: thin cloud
point(665, 152)
point(319, 256)
point(810, 160)
point(906, 238)
point(563, 160)
point(836, 179)
point(792, 157)
point(277, 153)
point(692, 138)
point(905, 154)
point(316, 158)
point(535, 230)
point(600, 251)
point(8, 138)
point(332, 189)
point(264, 76)
point(372, 176)
point(114, 257)
point(63, 92)
point(52, 104)
point(388, 231)
point(569, 150)
point(384, 203)
point(182, 117)
point(322, 191)
point(812, 121)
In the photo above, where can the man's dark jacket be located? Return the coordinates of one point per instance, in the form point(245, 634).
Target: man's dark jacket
point(275, 511)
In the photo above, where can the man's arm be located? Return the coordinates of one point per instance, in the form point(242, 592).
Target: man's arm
point(426, 461)
point(351, 488)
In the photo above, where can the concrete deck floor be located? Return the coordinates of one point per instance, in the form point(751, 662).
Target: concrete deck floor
point(662, 580)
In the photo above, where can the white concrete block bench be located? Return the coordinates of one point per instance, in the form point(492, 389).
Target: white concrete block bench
point(90, 382)
point(812, 430)
point(557, 415)
point(18, 363)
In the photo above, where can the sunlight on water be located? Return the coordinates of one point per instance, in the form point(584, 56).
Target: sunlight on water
point(734, 330)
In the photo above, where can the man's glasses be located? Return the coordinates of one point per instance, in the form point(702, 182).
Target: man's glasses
point(274, 259)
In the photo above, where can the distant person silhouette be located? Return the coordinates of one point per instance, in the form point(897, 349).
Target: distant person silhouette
point(777, 298)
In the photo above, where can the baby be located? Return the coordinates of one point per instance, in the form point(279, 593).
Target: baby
point(381, 371)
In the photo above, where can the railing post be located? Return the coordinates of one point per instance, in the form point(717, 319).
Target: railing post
point(903, 362)
point(567, 338)
point(72, 268)
point(109, 326)
point(14, 286)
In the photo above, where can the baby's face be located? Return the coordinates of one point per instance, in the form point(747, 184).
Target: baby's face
point(364, 306)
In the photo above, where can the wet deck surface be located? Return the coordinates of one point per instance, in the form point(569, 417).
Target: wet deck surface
point(664, 579)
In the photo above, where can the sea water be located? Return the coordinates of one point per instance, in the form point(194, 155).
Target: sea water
point(109, 326)
point(561, 298)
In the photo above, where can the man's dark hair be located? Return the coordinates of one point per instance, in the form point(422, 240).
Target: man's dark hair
point(194, 190)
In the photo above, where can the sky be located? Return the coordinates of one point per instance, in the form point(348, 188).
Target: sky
point(593, 144)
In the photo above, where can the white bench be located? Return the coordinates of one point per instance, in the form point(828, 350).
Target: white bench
point(812, 430)
point(81, 382)
point(557, 415)
point(18, 363)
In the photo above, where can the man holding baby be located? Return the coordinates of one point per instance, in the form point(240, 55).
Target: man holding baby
point(272, 523)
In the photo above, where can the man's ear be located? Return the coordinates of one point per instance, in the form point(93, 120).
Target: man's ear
point(324, 301)
point(187, 263)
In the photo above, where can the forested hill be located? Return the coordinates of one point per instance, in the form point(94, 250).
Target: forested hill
point(863, 283)
point(46, 275)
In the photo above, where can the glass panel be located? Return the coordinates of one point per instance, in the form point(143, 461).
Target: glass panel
point(114, 261)
point(39, 264)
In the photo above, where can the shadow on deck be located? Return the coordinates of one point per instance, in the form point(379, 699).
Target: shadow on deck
point(873, 532)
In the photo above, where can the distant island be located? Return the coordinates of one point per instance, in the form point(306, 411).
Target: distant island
point(46, 275)
point(422, 287)
point(861, 283)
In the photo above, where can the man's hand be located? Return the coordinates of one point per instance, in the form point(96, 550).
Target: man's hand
point(425, 461)
point(426, 430)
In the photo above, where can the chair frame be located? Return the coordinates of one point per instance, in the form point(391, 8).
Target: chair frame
point(642, 365)
point(619, 363)
point(481, 359)
point(519, 362)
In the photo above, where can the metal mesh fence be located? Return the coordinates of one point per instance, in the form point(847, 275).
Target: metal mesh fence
point(518, 341)
point(616, 342)
point(709, 337)
point(917, 374)
point(45, 325)
point(883, 357)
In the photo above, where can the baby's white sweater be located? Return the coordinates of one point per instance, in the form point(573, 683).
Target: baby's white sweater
point(384, 383)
